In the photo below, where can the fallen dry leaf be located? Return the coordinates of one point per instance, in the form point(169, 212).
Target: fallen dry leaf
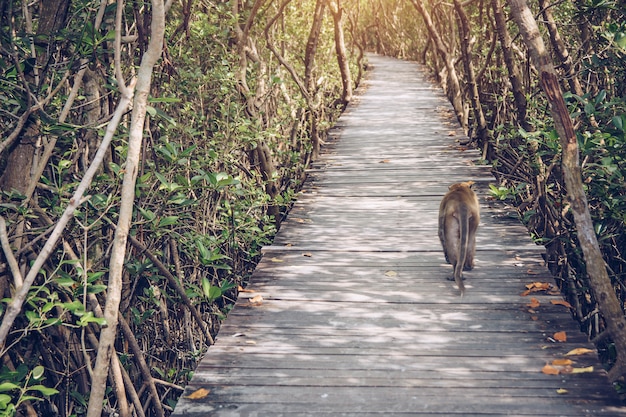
point(532, 272)
point(578, 351)
point(535, 287)
point(560, 336)
point(561, 303)
point(199, 394)
point(256, 300)
point(562, 391)
point(538, 285)
point(276, 260)
point(391, 273)
point(242, 289)
point(586, 370)
point(550, 370)
point(534, 303)
point(562, 362)
point(384, 161)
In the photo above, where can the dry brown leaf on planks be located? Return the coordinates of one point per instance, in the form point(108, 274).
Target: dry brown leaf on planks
point(534, 303)
point(587, 370)
point(538, 286)
point(562, 362)
point(560, 336)
point(561, 303)
point(242, 289)
point(256, 300)
point(199, 394)
point(535, 287)
point(579, 351)
point(550, 370)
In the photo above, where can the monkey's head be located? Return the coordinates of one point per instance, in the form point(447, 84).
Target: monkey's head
point(461, 185)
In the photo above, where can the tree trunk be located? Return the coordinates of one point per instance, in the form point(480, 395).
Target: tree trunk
point(260, 156)
point(309, 79)
point(561, 51)
point(118, 252)
point(515, 75)
point(454, 91)
point(464, 31)
point(340, 46)
point(19, 163)
point(608, 303)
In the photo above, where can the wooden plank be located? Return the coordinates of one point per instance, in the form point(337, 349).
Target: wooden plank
point(350, 313)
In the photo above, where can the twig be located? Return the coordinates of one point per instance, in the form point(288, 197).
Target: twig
point(168, 384)
point(143, 366)
point(171, 279)
point(8, 253)
point(132, 392)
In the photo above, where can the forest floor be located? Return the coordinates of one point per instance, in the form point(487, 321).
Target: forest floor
point(349, 312)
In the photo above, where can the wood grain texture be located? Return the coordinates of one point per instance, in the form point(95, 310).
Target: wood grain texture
point(358, 318)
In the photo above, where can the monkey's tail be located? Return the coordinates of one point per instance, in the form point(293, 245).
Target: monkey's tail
point(464, 237)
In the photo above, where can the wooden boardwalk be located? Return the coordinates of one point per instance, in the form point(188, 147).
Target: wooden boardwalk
point(357, 317)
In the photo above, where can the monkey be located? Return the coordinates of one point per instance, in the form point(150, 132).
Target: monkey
point(459, 216)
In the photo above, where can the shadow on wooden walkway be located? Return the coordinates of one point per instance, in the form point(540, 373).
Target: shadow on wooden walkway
point(357, 317)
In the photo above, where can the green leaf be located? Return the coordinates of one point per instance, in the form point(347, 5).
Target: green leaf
point(64, 281)
point(4, 401)
point(161, 178)
point(73, 307)
point(620, 40)
point(225, 285)
point(214, 293)
point(204, 253)
point(88, 317)
point(8, 386)
point(43, 390)
point(168, 221)
point(147, 214)
point(164, 100)
point(38, 372)
point(96, 288)
point(618, 122)
point(206, 286)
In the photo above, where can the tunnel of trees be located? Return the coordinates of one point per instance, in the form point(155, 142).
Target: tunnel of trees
point(151, 148)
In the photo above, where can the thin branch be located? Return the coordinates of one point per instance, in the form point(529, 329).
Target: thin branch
point(117, 54)
point(8, 253)
point(174, 283)
point(281, 59)
point(143, 366)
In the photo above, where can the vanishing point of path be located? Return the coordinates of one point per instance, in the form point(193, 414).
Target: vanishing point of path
point(357, 317)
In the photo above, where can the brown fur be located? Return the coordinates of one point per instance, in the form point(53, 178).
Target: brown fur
point(459, 216)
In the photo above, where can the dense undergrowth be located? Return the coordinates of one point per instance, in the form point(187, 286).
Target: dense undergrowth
point(227, 140)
